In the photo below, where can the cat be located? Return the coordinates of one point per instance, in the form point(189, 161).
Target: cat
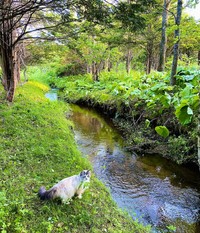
point(67, 188)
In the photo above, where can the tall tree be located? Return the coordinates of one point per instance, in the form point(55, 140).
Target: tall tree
point(15, 19)
point(163, 43)
point(176, 45)
point(190, 38)
point(19, 18)
point(151, 39)
point(129, 54)
point(9, 51)
point(131, 14)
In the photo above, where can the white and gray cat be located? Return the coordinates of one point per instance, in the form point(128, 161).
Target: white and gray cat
point(67, 188)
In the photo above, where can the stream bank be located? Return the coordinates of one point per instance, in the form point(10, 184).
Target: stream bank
point(139, 104)
point(150, 188)
point(144, 140)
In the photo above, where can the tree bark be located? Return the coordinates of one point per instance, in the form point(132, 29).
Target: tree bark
point(176, 45)
point(149, 56)
point(110, 65)
point(198, 137)
point(163, 43)
point(9, 57)
point(129, 57)
point(95, 71)
point(11, 71)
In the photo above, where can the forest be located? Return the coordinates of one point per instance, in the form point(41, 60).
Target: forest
point(136, 63)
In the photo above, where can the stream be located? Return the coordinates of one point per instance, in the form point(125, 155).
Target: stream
point(150, 188)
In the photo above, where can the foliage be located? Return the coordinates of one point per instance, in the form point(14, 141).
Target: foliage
point(190, 37)
point(43, 52)
point(37, 148)
point(187, 99)
point(162, 131)
point(130, 14)
point(117, 89)
point(171, 228)
point(131, 90)
point(145, 100)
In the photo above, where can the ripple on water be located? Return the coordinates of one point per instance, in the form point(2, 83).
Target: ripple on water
point(150, 188)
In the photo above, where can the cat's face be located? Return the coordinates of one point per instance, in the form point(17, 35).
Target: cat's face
point(85, 175)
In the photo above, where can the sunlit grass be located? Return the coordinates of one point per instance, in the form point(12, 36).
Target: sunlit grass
point(37, 148)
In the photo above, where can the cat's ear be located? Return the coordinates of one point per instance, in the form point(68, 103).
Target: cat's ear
point(85, 172)
point(82, 173)
point(88, 172)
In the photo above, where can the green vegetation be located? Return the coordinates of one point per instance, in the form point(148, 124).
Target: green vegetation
point(106, 55)
point(142, 105)
point(37, 148)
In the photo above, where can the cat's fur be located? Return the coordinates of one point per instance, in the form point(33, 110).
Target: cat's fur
point(67, 188)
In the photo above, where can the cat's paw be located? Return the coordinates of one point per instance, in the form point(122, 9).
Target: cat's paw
point(79, 196)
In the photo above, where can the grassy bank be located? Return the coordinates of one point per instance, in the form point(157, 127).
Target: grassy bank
point(37, 148)
point(153, 116)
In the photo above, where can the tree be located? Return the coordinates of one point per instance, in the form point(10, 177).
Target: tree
point(15, 20)
point(190, 38)
point(163, 43)
point(19, 18)
point(94, 51)
point(98, 47)
point(177, 40)
point(150, 38)
point(198, 137)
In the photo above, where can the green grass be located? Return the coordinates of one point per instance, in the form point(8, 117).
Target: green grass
point(37, 148)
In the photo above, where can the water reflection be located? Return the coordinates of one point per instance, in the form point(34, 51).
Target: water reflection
point(150, 188)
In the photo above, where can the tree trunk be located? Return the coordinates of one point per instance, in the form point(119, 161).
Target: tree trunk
point(198, 143)
point(11, 71)
point(149, 56)
point(9, 57)
point(95, 71)
point(199, 58)
point(110, 65)
point(176, 45)
point(129, 57)
point(163, 43)
point(88, 68)
point(188, 53)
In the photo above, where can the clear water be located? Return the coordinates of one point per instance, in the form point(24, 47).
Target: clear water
point(151, 189)
point(52, 95)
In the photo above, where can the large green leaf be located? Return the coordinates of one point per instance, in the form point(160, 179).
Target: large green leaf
point(184, 114)
point(162, 131)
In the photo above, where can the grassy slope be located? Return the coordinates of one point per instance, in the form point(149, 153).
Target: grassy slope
point(37, 148)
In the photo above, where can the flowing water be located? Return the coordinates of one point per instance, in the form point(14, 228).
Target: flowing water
point(150, 188)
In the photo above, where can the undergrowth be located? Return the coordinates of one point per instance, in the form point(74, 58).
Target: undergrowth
point(152, 110)
point(37, 148)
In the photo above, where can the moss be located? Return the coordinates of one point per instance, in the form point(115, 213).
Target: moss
point(37, 148)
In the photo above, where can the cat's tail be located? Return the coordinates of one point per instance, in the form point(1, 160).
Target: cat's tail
point(46, 195)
